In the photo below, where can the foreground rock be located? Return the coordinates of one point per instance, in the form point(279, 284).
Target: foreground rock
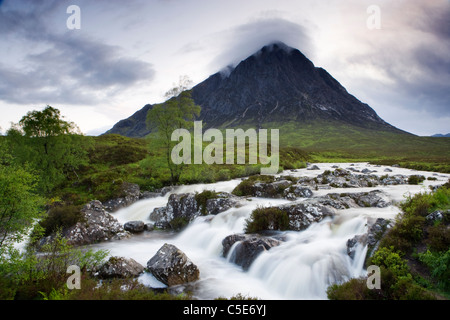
point(172, 267)
point(119, 267)
point(246, 248)
point(98, 225)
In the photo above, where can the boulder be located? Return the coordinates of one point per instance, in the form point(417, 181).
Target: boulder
point(179, 206)
point(120, 267)
point(297, 191)
point(314, 167)
point(302, 214)
point(98, 225)
point(130, 194)
point(374, 198)
point(172, 267)
point(246, 248)
point(134, 226)
point(223, 202)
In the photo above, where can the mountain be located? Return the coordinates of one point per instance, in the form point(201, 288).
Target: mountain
point(274, 87)
point(441, 135)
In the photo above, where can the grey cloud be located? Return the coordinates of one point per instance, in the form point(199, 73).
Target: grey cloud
point(418, 66)
point(72, 69)
point(247, 39)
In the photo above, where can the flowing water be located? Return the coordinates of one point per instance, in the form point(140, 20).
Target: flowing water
point(302, 267)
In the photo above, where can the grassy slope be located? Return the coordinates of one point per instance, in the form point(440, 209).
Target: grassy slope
point(337, 142)
point(115, 159)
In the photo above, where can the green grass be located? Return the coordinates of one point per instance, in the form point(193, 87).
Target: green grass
point(114, 159)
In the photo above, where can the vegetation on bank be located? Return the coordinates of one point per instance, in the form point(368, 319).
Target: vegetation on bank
point(414, 256)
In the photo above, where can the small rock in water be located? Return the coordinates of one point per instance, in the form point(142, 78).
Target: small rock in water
point(134, 226)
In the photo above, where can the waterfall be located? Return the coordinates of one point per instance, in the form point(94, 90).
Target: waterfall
point(301, 267)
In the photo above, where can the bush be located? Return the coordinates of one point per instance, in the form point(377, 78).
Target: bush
point(271, 218)
point(202, 197)
point(415, 179)
point(391, 260)
point(61, 217)
point(438, 237)
point(354, 289)
point(439, 265)
point(246, 187)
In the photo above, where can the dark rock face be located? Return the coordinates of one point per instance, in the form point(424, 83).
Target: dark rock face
point(247, 248)
point(172, 267)
point(98, 226)
point(276, 84)
point(119, 267)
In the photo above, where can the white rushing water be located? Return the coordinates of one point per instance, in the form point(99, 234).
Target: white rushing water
point(302, 267)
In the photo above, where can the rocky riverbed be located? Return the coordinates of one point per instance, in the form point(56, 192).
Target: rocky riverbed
point(177, 239)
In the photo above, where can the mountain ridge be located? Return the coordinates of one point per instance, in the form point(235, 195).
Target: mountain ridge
point(275, 84)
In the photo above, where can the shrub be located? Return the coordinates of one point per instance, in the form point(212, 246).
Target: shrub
point(439, 265)
point(246, 187)
point(418, 205)
point(391, 260)
point(271, 218)
point(354, 289)
point(438, 237)
point(415, 179)
point(60, 217)
point(202, 197)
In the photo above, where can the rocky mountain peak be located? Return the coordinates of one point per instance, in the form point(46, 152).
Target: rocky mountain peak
point(277, 84)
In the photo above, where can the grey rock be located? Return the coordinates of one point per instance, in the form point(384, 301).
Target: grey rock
point(302, 215)
point(181, 205)
point(131, 193)
point(314, 167)
point(120, 267)
point(244, 249)
point(172, 267)
point(297, 191)
point(434, 216)
point(371, 238)
point(223, 202)
point(98, 225)
point(134, 226)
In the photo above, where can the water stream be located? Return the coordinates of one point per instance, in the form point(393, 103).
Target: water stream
point(302, 267)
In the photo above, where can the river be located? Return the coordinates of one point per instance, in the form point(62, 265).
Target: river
point(302, 267)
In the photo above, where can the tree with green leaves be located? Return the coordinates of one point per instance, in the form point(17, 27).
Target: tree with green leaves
point(49, 144)
point(178, 112)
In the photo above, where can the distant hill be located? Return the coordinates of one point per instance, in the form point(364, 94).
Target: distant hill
point(441, 135)
point(277, 87)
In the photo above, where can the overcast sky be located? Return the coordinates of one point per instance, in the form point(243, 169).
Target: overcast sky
point(129, 53)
